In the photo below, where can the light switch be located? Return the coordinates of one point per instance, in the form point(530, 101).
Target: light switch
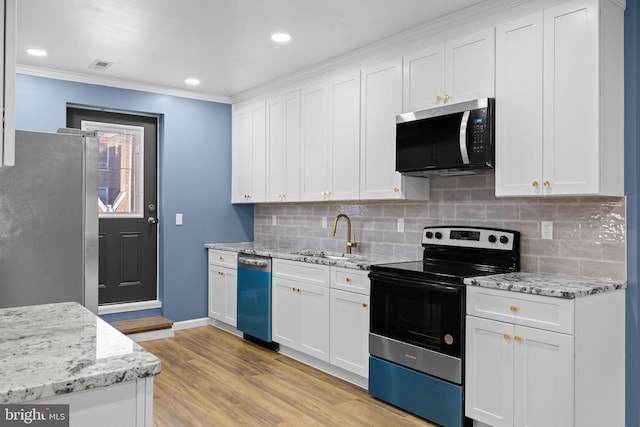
point(400, 225)
point(546, 230)
point(178, 219)
point(324, 222)
point(274, 220)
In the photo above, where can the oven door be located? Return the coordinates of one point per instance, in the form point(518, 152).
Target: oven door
point(417, 324)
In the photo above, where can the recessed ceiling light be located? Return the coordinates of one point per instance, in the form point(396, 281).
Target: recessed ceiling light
point(280, 37)
point(37, 52)
point(192, 82)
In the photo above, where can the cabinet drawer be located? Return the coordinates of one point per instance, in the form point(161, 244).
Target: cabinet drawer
point(316, 274)
point(223, 258)
point(549, 313)
point(348, 279)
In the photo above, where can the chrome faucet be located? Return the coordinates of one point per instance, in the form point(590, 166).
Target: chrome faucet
point(350, 244)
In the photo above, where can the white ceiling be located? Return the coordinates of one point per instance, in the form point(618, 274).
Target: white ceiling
point(224, 43)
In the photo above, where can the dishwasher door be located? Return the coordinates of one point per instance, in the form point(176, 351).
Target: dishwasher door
point(254, 296)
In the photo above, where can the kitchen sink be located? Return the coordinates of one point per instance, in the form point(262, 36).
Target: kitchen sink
point(325, 254)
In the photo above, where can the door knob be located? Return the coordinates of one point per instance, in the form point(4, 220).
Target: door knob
point(151, 220)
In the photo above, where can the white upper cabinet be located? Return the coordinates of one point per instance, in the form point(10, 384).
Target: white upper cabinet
point(569, 141)
point(249, 154)
point(8, 90)
point(314, 143)
point(519, 106)
point(459, 70)
point(331, 139)
point(283, 148)
point(344, 137)
point(381, 101)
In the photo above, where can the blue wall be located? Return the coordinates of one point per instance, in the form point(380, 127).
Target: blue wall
point(195, 177)
point(632, 160)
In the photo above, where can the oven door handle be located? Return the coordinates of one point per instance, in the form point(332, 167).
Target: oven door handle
point(415, 283)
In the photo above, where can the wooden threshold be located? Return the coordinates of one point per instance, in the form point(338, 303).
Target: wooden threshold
point(145, 324)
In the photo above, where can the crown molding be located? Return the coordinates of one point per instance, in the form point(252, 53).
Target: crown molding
point(119, 83)
point(422, 31)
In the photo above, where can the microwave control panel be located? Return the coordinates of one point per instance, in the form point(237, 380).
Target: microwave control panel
point(478, 131)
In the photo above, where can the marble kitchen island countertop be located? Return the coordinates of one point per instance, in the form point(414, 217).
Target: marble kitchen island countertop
point(53, 349)
point(355, 261)
point(546, 284)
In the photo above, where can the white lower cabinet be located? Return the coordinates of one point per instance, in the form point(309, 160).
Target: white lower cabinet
point(350, 331)
point(301, 307)
point(518, 375)
point(350, 320)
point(223, 286)
point(322, 311)
point(534, 360)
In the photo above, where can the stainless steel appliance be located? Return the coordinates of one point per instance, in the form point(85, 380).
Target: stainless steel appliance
point(416, 340)
point(254, 299)
point(456, 139)
point(49, 221)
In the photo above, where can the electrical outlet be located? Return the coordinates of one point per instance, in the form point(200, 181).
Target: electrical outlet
point(324, 222)
point(400, 225)
point(178, 219)
point(274, 220)
point(546, 230)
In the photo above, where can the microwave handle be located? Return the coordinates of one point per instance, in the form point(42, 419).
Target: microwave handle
point(463, 138)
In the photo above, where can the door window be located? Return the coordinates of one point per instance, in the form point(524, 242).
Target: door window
point(121, 170)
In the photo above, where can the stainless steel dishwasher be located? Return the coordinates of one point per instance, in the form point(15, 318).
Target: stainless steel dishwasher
point(254, 299)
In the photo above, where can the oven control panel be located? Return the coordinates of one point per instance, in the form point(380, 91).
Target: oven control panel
point(468, 237)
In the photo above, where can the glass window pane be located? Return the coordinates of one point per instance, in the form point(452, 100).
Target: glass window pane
point(119, 168)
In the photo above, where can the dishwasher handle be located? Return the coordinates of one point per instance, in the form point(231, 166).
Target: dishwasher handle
point(255, 262)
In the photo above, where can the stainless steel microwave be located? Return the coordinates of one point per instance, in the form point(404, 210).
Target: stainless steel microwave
point(456, 139)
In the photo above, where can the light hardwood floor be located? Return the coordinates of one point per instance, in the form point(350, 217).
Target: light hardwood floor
point(212, 378)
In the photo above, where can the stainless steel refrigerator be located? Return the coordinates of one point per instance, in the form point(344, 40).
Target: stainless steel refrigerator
point(49, 220)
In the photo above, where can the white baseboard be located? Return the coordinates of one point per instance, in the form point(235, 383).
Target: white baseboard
point(225, 327)
point(193, 323)
point(152, 335)
point(325, 367)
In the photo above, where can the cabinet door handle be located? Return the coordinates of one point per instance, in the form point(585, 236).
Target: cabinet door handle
point(534, 184)
point(222, 259)
point(446, 97)
point(438, 98)
point(396, 190)
point(506, 336)
point(517, 338)
point(546, 183)
point(348, 280)
point(513, 308)
point(365, 305)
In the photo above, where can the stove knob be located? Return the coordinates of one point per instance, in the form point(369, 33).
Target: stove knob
point(492, 238)
point(504, 240)
point(429, 234)
point(438, 235)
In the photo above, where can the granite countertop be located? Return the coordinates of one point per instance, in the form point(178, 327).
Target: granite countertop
point(53, 349)
point(355, 261)
point(546, 284)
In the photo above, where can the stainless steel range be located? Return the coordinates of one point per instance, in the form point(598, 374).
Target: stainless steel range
point(416, 340)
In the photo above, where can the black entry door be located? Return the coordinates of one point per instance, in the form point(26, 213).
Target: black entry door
point(127, 202)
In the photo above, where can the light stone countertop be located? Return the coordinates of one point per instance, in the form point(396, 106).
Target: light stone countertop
point(546, 284)
point(355, 261)
point(53, 349)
